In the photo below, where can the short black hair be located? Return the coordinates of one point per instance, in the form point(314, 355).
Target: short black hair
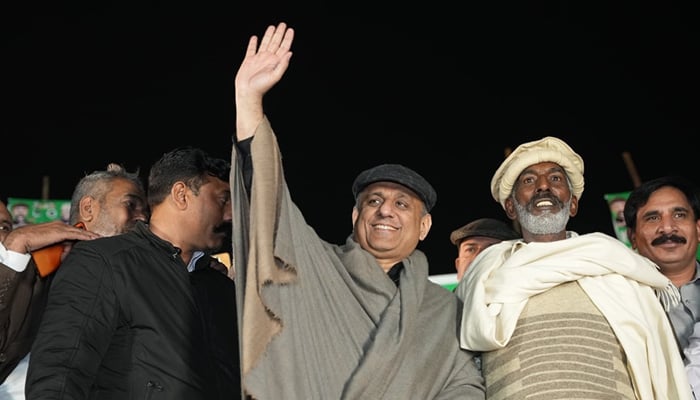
point(640, 195)
point(187, 164)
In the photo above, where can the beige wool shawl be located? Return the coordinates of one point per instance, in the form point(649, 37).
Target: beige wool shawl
point(627, 288)
point(321, 321)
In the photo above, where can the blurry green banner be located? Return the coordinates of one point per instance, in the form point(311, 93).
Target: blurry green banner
point(616, 205)
point(34, 211)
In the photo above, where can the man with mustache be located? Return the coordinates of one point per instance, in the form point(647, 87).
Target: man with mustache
point(558, 314)
point(663, 224)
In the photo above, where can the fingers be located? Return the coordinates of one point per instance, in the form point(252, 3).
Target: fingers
point(277, 36)
point(252, 47)
point(287, 40)
point(267, 38)
point(277, 39)
point(36, 236)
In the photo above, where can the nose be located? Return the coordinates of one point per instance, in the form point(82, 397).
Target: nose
point(668, 224)
point(542, 184)
point(228, 214)
point(386, 209)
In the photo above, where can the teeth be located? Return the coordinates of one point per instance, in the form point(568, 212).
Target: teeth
point(544, 203)
point(387, 227)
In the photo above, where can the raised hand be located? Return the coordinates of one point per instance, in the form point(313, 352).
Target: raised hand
point(262, 67)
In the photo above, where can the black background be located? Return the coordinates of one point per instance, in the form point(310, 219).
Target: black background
point(444, 89)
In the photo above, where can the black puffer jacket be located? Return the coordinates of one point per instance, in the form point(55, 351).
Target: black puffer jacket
point(126, 320)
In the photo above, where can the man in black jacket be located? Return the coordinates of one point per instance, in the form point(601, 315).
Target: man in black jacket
point(140, 315)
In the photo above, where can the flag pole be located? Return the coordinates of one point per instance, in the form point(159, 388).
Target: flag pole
point(631, 169)
point(45, 188)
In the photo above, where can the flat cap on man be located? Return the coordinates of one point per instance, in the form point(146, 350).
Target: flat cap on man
point(398, 174)
point(547, 149)
point(487, 227)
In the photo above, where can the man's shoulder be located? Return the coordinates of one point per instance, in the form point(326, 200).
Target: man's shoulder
point(109, 245)
point(435, 293)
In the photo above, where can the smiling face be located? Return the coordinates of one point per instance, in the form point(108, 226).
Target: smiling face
point(389, 220)
point(667, 231)
point(542, 202)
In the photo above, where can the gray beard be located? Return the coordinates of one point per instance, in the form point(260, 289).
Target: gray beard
point(546, 223)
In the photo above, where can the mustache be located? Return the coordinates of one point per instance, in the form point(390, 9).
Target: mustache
point(668, 238)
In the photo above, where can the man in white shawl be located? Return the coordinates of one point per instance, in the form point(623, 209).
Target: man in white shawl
point(562, 315)
point(323, 321)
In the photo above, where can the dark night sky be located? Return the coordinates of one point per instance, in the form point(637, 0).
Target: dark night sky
point(444, 90)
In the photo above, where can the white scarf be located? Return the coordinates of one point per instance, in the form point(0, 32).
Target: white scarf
point(627, 288)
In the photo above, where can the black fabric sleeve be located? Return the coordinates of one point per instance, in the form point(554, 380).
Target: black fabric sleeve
point(243, 147)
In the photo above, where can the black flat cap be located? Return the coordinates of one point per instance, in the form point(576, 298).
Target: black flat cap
point(398, 174)
point(488, 227)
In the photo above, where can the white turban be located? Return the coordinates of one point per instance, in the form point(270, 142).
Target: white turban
point(547, 149)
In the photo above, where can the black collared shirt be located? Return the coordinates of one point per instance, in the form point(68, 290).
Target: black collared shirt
point(395, 273)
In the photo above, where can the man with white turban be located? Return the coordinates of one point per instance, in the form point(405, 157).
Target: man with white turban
point(562, 315)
